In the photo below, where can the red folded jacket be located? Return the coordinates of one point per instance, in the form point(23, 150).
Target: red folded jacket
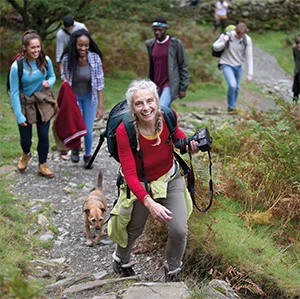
point(69, 123)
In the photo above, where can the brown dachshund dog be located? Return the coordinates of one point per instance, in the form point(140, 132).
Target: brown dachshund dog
point(94, 207)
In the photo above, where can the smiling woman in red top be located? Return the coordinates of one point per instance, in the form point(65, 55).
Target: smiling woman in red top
point(152, 133)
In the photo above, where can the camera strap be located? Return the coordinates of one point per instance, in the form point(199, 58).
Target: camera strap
point(182, 164)
point(191, 184)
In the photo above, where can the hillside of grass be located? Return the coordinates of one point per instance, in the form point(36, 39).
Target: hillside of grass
point(251, 235)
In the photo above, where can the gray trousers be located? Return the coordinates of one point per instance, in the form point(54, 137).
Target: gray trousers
point(177, 227)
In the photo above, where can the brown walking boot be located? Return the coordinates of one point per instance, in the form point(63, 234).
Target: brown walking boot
point(22, 165)
point(45, 171)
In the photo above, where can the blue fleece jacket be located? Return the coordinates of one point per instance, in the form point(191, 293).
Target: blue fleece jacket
point(32, 81)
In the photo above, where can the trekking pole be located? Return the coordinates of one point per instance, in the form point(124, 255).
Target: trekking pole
point(101, 140)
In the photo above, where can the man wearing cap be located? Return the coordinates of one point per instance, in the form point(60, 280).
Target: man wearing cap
point(168, 64)
point(64, 33)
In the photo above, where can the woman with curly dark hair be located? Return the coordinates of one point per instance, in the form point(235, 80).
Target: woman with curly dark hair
point(82, 69)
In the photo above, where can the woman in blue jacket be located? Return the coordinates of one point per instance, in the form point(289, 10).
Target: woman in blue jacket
point(28, 99)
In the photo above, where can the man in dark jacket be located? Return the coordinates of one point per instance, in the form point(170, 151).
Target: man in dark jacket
point(168, 64)
point(296, 55)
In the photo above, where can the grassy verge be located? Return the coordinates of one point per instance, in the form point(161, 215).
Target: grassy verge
point(250, 260)
point(251, 236)
point(8, 127)
point(16, 249)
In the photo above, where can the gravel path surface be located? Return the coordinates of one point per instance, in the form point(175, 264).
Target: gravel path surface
point(272, 78)
point(59, 201)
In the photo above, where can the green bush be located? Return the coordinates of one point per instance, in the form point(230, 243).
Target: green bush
point(262, 153)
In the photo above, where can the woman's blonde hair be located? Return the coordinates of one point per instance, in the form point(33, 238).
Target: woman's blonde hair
point(133, 87)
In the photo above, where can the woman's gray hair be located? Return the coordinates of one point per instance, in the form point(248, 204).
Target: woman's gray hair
point(139, 84)
point(135, 86)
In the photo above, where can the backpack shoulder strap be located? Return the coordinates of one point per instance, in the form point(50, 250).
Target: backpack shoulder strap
point(171, 121)
point(245, 40)
point(19, 60)
point(66, 31)
point(20, 69)
point(229, 33)
point(128, 123)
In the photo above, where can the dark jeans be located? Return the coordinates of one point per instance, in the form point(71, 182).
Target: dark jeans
point(296, 87)
point(43, 138)
point(221, 22)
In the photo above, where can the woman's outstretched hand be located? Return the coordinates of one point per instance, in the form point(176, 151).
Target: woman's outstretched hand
point(157, 211)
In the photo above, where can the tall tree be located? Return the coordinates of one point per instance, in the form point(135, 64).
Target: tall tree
point(45, 15)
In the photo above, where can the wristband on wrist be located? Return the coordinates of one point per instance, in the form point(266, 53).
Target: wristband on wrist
point(147, 196)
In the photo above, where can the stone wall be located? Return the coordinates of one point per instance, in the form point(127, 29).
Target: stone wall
point(258, 14)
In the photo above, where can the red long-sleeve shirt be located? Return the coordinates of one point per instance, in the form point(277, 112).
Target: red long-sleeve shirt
point(157, 159)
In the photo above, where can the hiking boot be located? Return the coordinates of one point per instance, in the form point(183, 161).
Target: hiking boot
point(45, 171)
point(124, 270)
point(232, 111)
point(86, 160)
point(172, 276)
point(22, 164)
point(75, 155)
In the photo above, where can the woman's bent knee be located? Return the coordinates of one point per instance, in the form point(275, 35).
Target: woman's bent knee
point(178, 233)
